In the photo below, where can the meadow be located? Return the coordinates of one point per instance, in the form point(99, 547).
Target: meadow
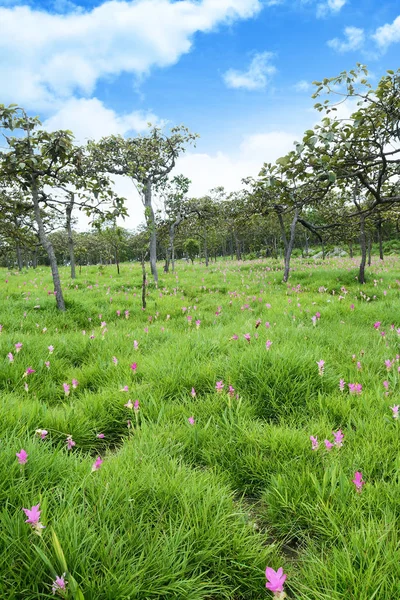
point(177, 451)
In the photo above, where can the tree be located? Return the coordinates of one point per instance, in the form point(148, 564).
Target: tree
point(147, 161)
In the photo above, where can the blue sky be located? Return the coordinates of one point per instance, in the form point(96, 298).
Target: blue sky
point(238, 72)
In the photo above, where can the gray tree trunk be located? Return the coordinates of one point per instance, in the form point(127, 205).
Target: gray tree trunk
point(151, 225)
point(47, 245)
point(205, 247)
point(363, 246)
point(290, 244)
point(379, 228)
point(369, 249)
point(68, 212)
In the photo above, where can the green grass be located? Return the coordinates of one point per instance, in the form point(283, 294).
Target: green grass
point(197, 512)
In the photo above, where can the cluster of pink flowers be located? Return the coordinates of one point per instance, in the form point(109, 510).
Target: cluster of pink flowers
point(355, 388)
point(337, 441)
point(321, 367)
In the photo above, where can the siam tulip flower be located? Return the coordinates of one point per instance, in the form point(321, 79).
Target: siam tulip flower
point(268, 344)
point(127, 314)
point(118, 313)
point(191, 420)
point(33, 519)
point(342, 384)
point(386, 385)
point(352, 306)
point(115, 360)
point(47, 364)
point(359, 367)
point(231, 391)
point(129, 424)
point(26, 387)
point(103, 324)
point(135, 344)
point(124, 389)
point(321, 366)
point(59, 585)
point(100, 436)
point(338, 438)
point(198, 322)
point(50, 349)
point(383, 333)
point(97, 464)
point(358, 481)
point(267, 306)
point(18, 346)
point(355, 388)
point(328, 445)
point(388, 364)
point(133, 367)
point(22, 457)
point(75, 383)
point(235, 337)
point(314, 320)
point(66, 387)
point(247, 337)
point(70, 442)
point(258, 323)
point(42, 433)
point(193, 393)
point(219, 386)
point(275, 581)
point(395, 411)
point(377, 325)
point(318, 315)
point(314, 442)
point(189, 319)
point(129, 404)
point(267, 325)
point(146, 330)
point(136, 406)
point(29, 371)
point(10, 357)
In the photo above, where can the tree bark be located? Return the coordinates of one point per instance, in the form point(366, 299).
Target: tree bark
point(151, 225)
point(363, 246)
point(351, 249)
point(283, 232)
point(143, 283)
point(68, 212)
point(47, 245)
point(369, 249)
point(290, 244)
point(205, 247)
point(19, 257)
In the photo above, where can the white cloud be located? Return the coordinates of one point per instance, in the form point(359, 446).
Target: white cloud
point(329, 7)
point(388, 34)
point(256, 77)
point(302, 86)
point(89, 118)
point(354, 40)
point(73, 51)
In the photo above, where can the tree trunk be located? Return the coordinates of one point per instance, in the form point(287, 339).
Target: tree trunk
point(68, 212)
point(205, 247)
point(19, 257)
point(143, 283)
point(363, 246)
point(34, 258)
point(323, 251)
point(283, 232)
point(379, 228)
point(369, 249)
point(306, 246)
point(116, 258)
point(237, 245)
point(47, 245)
point(151, 225)
point(289, 246)
point(351, 249)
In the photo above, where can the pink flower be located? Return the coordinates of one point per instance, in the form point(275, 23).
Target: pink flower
point(59, 585)
point(22, 457)
point(135, 344)
point(314, 320)
point(355, 388)
point(127, 314)
point(66, 389)
point(129, 404)
point(42, 433)
point(100, 436)
point(70, 442)
point(338, 438)
point(75, 383)
point(388, 364)
point(247, 337)
point(193, 393)
point(136, 406)
point(97, 464)
point(29, 371)
point(47, 363)
point(124, 389)
point(275, 579)
point(328, 445)
point(115, 360)
point(318, 315)
point(268, 344)
point(10, 357)
point(314, 442)
point(395, 410)
point(198, 322)
point(33, 519)
point(386, 385)
point(219, 386)
point(267, 325)
point(50, 349)
point(359, 367)
point(321, 366)
point(358, 481)
point(235, 337)
point(18, 346)
point(191, 420)
point(377, 325)
point(133, 367)
point(342, 383)
point(231, 391)
point(258, 323)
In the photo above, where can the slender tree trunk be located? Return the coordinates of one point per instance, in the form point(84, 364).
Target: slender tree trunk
point(19, 257)
point(363, 246)
point(116, 258)
point(205, 247)
point(369, 249)
point(290, 245)
point(283, 232)
point(47, 245)
point(68, 212)
point(351, 249)
point(323, 250)
point(306, 246)
point(237, 245)
point(34, 258)
point(151, 225)
point(379, 229)
point(143, 283)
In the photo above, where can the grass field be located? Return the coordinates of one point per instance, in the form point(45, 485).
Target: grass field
point(201, 488)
